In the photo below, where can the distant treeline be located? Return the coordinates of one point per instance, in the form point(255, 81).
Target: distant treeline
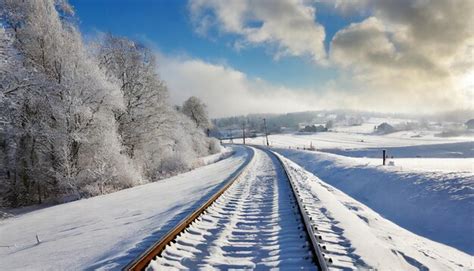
point(291, 121)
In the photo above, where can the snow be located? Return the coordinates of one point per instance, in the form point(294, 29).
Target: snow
point(363, 137)
point(434, 204)
point(225, 152)
point(354, 236)
point(461, 165)
point(251, 226)
point(427, 187)
point(106, 232)
point(350, 140)
point(447, 150)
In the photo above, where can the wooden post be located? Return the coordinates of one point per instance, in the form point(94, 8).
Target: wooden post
point(265, 128)
point(243, 132)
point(383, 158)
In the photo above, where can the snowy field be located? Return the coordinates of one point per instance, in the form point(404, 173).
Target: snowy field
point(426, 188)
point(356, 237)
point(437, 205)
point(351, 141)
point(411, 150)
point(108, 231)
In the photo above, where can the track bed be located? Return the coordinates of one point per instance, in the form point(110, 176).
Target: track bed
point(255, 223)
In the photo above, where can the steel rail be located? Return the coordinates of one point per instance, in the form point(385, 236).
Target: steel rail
point(143, 260)
point(310, 230)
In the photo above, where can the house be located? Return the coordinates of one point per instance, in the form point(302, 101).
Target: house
point(385, 128)
point(313, 128)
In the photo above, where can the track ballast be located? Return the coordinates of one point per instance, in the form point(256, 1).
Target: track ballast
point(255, 224)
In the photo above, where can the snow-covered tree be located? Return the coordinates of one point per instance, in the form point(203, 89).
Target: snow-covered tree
point(67, 122)
point(133, 68)
point(159, 139)
point(77, 122)
point(195, 109)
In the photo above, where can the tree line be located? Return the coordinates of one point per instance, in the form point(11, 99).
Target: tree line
point(79, 120)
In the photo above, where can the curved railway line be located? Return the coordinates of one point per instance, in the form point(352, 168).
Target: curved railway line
point(256, 221)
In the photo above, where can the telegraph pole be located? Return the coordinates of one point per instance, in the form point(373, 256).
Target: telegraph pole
point(265, 128)
point(243, 131)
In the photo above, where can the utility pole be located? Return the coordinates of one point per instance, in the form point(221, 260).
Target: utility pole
point(265, 128)
point(243, 131)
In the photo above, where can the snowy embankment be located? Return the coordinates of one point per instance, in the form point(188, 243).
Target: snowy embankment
point(356, 237)
point(447, 150)
point(436, 205)
point(108, 231)
point(223, 154)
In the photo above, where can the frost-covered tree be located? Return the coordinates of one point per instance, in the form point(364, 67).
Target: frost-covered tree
point(77, 122)
point(133, 68)
point(160, 139)
point(195, 109)
point(67, 122)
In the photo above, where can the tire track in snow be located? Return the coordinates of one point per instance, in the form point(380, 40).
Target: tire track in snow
point(254, 224)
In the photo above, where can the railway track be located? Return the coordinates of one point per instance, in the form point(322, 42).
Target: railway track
point(257, 221)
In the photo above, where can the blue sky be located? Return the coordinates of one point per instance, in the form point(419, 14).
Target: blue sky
point(276, 56)
point(166, 24)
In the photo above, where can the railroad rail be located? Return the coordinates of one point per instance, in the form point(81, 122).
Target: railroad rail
point(141, 262)
point(321, 261)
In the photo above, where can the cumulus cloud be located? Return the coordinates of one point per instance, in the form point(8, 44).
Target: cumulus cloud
point(229, 92)
point(411, 50)
point(405, 56)
point(290, 25)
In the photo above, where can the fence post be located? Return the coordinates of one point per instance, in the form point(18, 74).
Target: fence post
point(384, 155)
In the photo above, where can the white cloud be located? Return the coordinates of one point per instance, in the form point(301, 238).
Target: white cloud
point(407, 56)
point(415, 51)
point(227, 91)
point(290, 25)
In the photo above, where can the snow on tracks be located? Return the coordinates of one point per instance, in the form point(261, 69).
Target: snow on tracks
point(254, 224)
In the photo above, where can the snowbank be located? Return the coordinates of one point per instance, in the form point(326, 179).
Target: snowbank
point(355, 237)
point(447, 150)
point(108, 231)
point(225, 152)
point(437, 205)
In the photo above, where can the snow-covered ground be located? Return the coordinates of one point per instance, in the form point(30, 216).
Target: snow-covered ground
point(251, 226)
point(224, 153)
point(349, 140)
point(363, 137)
point(446, 150)
point(108, 231)
point(436, 204)
point(356, 237)
point(424, 152)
